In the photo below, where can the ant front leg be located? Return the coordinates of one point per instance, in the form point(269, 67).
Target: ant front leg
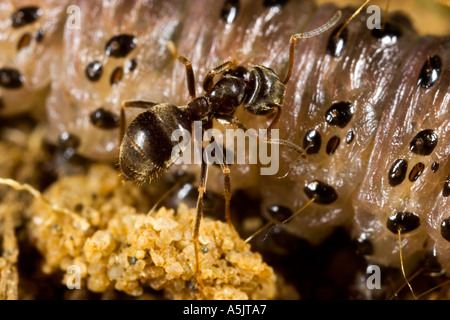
point(141, 104)
point(189, 71)
point(274, 121)
point(208, 81)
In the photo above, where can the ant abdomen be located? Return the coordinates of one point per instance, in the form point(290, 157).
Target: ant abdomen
point(266, 91)
point(146, 149)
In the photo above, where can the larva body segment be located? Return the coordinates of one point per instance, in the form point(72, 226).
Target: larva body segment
point(119, 54)
point(414, 129)
point(31, 38)
point(330, 99)
point(208, 40)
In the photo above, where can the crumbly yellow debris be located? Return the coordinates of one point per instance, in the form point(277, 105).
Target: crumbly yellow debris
point(127, 250)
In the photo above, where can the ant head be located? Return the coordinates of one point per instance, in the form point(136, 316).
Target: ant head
point(265, 91)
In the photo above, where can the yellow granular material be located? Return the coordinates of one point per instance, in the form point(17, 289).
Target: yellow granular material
point(126, 250)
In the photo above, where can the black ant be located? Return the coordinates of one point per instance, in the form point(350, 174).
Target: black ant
point(146, 145)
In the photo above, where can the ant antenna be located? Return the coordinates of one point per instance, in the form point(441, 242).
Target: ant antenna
point(304, 35)
point(350, 19)
point(274, 223)
point(399, 231)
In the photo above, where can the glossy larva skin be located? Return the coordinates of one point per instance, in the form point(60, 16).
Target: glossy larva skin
point(205, 40)
point(32, 61)
point(363, 76)
point(410, 109)
point(73, 97)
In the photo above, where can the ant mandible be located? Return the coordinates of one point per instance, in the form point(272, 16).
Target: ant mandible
point(146, 145)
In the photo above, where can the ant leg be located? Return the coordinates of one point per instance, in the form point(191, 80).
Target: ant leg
point(230, 120)
point(198, 218)
point(227, 190)
point(304, 35)
point(132, 104)
point(188, 65)
point(274, 121)
point(208, 81)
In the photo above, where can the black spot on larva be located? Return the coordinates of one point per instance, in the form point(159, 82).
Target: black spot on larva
point(312, 142)
point(24, 41)
point(431, 262)
point(435, 166)
point(116, 76)
point(388, 34)
point(229, 11)
point(350, 137)
point(363, 246)
point(39, 35)
point(332, 145)
point(445, 229)
point(275, 3)
point(104, 119)
point(94, 71)
point(120, 46)
point(279, 212)
point(424, 142)
point(336, 45)
point(10, 78)
point(416, 171)
point(25, 15)
point(132, 64)
point(321, 192)
point(397, 172)
point(446, 189)
point(430, 72)
point(403, 221)
point(67, 140)
point(339, 114)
